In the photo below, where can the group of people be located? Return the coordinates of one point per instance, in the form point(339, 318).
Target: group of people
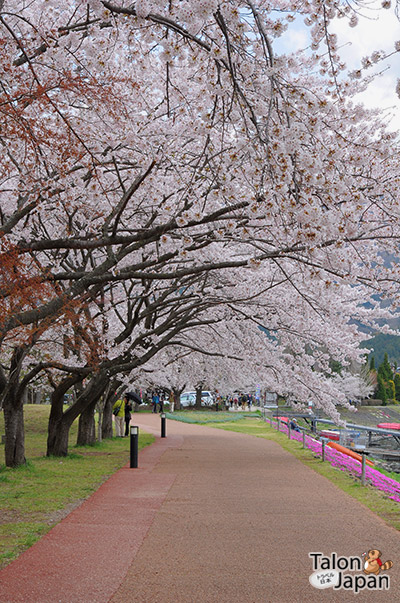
point(239, 402)
point(157, 401)
point(123, 407)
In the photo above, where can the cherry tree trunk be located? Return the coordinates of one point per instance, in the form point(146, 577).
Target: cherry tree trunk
point(197, 404)
point(59, 421)
point(107, 425)
point(177, 395)
point(106, 428)
point(14, 434)
point(57, 438)
point(86, 427)
point(14, 413)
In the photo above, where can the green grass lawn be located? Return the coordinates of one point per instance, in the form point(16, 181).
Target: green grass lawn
point(34, 497)
point(204, 417)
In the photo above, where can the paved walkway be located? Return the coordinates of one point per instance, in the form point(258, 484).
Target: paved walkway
point(209, 516)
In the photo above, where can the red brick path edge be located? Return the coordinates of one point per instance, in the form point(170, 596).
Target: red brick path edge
point(209, 516)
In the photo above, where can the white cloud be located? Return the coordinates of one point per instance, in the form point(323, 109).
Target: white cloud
point(377, 30)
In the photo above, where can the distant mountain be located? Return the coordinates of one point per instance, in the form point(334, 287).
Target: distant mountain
point(381, 344)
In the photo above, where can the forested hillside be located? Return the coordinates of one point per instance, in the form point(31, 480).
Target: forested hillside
point(381, 344)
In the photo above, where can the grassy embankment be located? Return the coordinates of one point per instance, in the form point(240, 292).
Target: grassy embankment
point(35, 497)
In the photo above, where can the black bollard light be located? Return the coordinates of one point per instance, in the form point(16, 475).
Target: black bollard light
point(163, 422)
point(134, 446)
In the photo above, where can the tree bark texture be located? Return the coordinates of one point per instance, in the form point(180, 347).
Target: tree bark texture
point(86, 427)
point(199, 391)
point(14, 413)
point(60, 422)
point(107, 426)
point(177, 394)
point(14, 434)
point(57, 438)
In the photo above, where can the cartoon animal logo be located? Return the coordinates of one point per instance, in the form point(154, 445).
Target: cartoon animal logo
point(373, 563)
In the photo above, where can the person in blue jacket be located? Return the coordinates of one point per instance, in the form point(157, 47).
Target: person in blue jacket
point(156, 401)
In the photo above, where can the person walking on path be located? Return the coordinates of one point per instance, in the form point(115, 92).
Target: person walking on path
point(171, 401)
point(156, 401)
point(127, 416)
point(119, 415)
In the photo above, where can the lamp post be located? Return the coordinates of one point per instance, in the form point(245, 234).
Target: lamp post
point(163, 422)
point(134, 446)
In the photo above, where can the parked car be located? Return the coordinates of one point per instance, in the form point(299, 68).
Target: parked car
point(189, 399)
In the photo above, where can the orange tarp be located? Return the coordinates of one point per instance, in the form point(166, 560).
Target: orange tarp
point(350, 453)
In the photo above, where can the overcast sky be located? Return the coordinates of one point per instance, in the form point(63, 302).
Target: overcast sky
point(377, 31)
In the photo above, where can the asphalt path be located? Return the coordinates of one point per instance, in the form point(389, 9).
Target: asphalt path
point(208, 516)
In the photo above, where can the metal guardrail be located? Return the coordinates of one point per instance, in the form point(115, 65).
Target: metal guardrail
point(392, 432)
point(276, 412)
point(383, 431)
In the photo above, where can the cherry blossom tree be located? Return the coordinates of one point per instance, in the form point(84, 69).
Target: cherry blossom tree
point(164, 167)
